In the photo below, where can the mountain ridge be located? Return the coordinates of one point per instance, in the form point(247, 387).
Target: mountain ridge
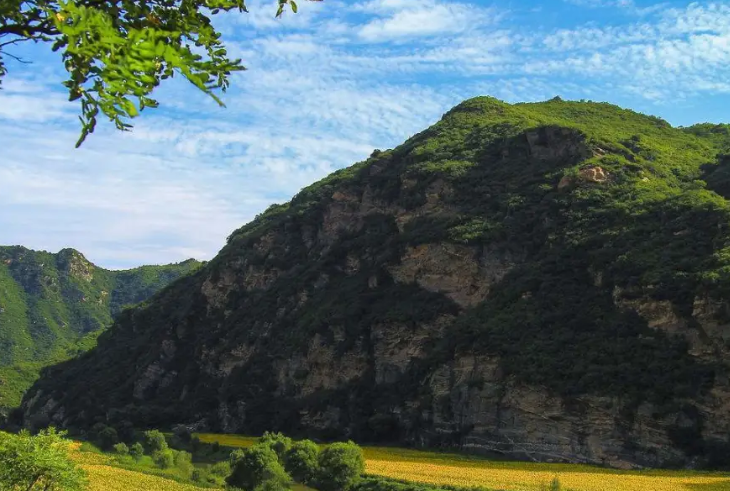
point(53, 305)
point(545, 280)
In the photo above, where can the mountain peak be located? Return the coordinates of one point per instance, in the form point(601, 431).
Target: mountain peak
point(511, 261)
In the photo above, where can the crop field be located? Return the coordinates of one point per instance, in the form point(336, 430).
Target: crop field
point(104, 477)
point(469, 471)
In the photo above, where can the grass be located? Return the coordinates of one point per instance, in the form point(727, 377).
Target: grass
point(441, 468)
point(105, 475)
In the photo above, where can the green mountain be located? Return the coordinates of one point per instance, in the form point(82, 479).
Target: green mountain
point(53, 307)
point(547, 281)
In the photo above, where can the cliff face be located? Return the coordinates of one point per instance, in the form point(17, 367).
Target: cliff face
point(547, 281)
point(53, 306)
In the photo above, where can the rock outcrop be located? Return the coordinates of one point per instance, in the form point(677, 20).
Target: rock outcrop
point(444, 294)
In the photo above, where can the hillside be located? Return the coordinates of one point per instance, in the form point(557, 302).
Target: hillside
point(53, 306)
point(545, 280)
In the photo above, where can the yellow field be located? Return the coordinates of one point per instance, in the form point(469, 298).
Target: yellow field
point(513, 479)
point(466, 471)
point(103, 477)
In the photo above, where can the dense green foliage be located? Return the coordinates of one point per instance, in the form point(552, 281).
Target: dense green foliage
point(340, 466)
point(54, 306)
point(278, 442)
point(117, 53)
point(257, 468)
point(154, 441)
point(508, 182)
point(38, 463)
point(302, 461)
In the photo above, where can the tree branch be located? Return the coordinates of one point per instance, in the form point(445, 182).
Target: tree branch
point(16, 58)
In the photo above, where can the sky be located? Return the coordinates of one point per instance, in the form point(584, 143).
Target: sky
point(324, 87)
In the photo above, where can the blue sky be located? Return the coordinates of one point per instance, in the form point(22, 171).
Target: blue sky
point(324, 88)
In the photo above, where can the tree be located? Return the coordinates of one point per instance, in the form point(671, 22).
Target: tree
point(136, 451)
point(278, 442)
point(258, 468)
point(164, 459)
point(340, 466)
point(184, 462)
point(108, 438)
point(121, 449)
point(154, 441)
point(41, 462)
point(118, 51)
point(301, 461)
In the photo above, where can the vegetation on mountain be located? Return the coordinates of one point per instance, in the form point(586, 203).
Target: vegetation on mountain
point(38, 463)
point(336, 314)
point(117, 53)
point(54, 306)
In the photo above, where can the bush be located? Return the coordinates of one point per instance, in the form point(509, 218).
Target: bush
point(183, 462)
point(154, 441)
point(121, 449)
point(104, 435)
point(257, 468)
point(277, 441)
point(29, 461)
point(136, 451)
point(220, 469)
point(301, 461)
point(198, 475)
point(340, 466)
point(164, 459)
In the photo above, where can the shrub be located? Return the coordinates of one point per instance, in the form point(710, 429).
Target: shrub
point(257, 468)
point(277, 441)
point(121, 449)
point(164, 459)
point(107, 438)
point(136, 451)
point(198, 475)
point(27, 462)
point(154, 441)
point(220, 469)
point(301, 461)
point(183, 462)
point(340, 466)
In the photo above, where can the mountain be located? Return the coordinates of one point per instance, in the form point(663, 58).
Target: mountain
point(53, 306)
point(545, 280)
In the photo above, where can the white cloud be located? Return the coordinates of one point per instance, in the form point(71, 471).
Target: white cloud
point(405, 19)
point(324, 87)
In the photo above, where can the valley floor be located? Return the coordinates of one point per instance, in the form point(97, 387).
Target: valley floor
point(468, 471)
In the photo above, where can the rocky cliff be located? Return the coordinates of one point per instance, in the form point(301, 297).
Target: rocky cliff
point(548, 281)
point(53, 306)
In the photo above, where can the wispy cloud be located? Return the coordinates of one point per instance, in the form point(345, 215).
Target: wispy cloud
point(325, 87)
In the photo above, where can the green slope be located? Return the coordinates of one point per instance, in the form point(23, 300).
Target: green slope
point(53, 306)
point(512, 183)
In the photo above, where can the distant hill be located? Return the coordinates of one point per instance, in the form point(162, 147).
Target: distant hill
point(53, 306)
point(547, 280)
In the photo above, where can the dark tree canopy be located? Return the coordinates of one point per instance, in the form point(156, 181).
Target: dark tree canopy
point(118, 51)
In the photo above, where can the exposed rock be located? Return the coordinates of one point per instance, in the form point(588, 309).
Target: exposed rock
point(353, 313)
